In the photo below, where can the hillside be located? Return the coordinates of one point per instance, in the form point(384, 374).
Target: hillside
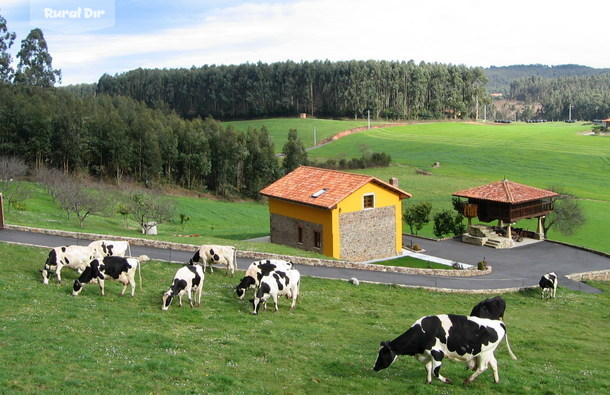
point(500, 77)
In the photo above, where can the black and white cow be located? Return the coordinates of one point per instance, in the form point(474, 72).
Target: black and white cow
point(188, 279)
point(209, 254)
point(548, 285)
point(492, 308)
point(115, 268)
point(73, 256)
point(468, 339)
point(277, 283)
point(257, 270)
point(104, 248)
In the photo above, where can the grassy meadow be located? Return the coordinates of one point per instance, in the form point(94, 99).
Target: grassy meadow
point(278, 128)
point(470, 155)
point(52, 342)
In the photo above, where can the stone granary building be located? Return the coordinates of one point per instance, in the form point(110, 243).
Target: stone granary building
point(343, 215)
point(507, 202)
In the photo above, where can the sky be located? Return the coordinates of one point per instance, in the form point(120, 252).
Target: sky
point(88, 38)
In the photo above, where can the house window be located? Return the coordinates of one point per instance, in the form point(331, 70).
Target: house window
point(300, 235)
point(317, 240)
point(368, 201)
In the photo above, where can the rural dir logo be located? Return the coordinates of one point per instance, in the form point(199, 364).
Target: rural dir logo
point(72, 16)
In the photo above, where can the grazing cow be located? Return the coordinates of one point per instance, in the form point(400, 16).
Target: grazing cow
point(468, 339)
point(548, 284)
point(73, 256)
point(104, 248)
point(115, 268)
point(492, 308)
point(277, 283)
point(209, 254)
point(188, 279)
point(257, 270)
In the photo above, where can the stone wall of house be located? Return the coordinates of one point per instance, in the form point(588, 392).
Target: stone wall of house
point(368, 234)
point(284, 230)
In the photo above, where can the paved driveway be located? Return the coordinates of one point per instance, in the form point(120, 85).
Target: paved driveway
point(512, 268)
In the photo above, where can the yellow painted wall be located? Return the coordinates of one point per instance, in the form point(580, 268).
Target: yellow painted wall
point(383, 198)
point(329, 219)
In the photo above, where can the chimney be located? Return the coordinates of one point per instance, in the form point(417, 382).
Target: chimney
point(394, 182)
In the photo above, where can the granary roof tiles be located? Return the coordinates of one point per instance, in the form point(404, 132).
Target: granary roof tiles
point(322, 187)
point(505, 192)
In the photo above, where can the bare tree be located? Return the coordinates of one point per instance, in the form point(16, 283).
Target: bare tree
point(52, 180)
point(72, 194)
point(148, 208)
point(10, 169)
point(85, 201)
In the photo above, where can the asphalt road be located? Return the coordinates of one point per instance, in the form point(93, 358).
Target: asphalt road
point(518, 267)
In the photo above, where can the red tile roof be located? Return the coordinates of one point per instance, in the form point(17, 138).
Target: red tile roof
point(300, 184)
point(506, 192)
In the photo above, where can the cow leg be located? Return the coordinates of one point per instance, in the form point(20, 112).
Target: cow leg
point(180, 299)
point(58, 273)
point(189, 294)
point(294, 300)
point(101, 284)
point(481, 367)
point(427, 361)
point(275, 302)
point(132, 282)
point(199, 295)
point(437, 361)
point(493, 363)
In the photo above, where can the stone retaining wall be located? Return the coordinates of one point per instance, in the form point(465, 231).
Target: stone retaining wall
point(255, 255)
point(599, 275)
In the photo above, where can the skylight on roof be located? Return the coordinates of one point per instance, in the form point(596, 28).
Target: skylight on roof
point(320, 192)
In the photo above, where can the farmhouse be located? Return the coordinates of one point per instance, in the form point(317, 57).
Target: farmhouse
point(507, 202)
point(339, 214)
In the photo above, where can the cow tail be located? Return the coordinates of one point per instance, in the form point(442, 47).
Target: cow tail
point(510, 352)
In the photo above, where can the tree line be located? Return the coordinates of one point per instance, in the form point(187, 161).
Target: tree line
point(118, 138)
point(584, 97)
point(385, 89)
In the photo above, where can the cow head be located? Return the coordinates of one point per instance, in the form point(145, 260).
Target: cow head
point(177, 286)
point(167, 300)
point(385, 358)
point(92, 272)
point(244, 284)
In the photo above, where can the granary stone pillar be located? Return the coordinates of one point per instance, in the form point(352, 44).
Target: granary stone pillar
point(540, 230)
point(508, 231)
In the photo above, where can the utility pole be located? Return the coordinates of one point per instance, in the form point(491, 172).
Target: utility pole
point(570, 113)
point(368, 112)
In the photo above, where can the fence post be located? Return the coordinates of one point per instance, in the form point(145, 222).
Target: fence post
point(1, 211)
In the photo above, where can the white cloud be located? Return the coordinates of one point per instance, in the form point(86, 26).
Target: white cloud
point(475, 33)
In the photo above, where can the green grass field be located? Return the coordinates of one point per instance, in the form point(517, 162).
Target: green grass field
point(540, 155)
point(278, 129)
point(52, 342)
